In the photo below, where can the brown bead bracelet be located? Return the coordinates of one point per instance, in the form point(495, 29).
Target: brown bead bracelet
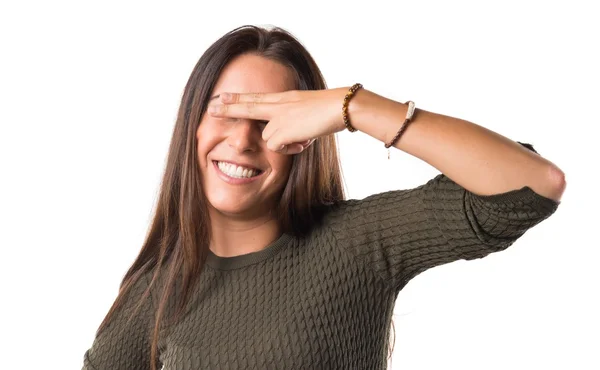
point(409, 115)
point(347, 98)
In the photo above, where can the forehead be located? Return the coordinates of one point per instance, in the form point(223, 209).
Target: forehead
point(253, 73)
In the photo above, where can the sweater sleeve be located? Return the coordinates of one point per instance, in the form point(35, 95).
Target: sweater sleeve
point(124, 344)
point(399, 234)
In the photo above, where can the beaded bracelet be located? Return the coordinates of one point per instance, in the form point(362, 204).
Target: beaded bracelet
point(407, 121)
point(347, 98)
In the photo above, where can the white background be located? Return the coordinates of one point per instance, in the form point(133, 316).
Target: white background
point(88, 99)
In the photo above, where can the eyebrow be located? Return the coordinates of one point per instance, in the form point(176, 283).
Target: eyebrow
point(214, 97)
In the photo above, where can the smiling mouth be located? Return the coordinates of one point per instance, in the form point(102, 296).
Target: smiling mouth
point(237, 172)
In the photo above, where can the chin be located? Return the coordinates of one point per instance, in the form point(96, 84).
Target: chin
point(227, 205)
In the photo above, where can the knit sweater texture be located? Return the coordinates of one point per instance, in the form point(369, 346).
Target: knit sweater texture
point(323, 301)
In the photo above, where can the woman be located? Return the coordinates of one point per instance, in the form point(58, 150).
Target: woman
point(254, 258)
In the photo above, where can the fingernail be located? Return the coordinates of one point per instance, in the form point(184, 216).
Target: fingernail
point(225, 96)
point(214, 109)
point(281, 147)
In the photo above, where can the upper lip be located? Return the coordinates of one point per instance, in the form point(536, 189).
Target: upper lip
point(247, 165)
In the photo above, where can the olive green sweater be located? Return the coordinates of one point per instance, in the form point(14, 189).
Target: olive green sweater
point(324, 301)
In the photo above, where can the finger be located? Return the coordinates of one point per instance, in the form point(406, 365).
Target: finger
point(294, 148)
point(279, 141)
point(276, 146)
point(290, 149)
point(235, 98)
point(277, 137)
point(251, 110)
point(269, 130)
point(307, 143)
point(276, 133)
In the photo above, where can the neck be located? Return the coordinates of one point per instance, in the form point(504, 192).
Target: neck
point(234, 237)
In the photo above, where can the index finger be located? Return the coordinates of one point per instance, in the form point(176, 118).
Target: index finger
point(250, 97)
point(250, 110)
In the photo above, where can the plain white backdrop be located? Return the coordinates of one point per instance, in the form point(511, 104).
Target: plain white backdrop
point(88, 99)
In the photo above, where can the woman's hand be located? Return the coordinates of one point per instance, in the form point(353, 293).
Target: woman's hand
point(295, 118)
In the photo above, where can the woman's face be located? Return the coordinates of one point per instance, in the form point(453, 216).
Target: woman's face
point(226, 143)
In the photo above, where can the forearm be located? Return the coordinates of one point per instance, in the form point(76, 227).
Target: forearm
point(480, 160)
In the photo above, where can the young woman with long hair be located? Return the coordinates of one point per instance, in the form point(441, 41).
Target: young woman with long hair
point(255, 259)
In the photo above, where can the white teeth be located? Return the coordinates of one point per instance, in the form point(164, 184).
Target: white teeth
point(236, 171)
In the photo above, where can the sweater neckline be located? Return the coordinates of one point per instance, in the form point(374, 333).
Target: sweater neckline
point(235, 262)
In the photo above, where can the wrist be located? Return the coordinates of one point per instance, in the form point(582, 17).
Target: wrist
point(358, 108)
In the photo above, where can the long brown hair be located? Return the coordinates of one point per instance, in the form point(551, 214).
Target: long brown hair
point(176, 245)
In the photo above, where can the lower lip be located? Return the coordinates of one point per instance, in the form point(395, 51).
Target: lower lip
point(235, 180)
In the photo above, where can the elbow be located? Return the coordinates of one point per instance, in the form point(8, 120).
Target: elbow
point(557, 183)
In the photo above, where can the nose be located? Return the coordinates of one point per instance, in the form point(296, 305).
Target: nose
point(244, 136)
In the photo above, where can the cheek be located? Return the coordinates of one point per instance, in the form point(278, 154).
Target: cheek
point(200, 146)
point(206, 139)
point(281, 164)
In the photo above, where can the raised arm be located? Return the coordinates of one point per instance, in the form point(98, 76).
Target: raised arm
point(490, 192)
point(480, 160)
